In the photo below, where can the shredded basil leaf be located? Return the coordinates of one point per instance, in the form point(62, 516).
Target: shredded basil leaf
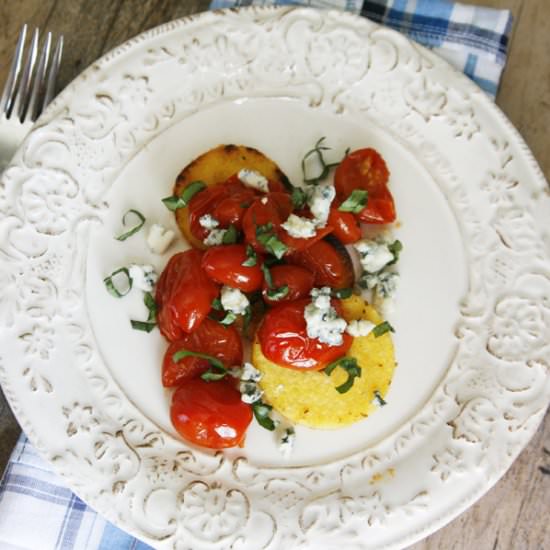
point(134, 229)
point(395, 248)
point(151, 306)
point(145, 326)
point(267, 276)
point(111, 286)
point(212, 376)
point(355, 202)
point(262, 229)
point(183, 353)
point(379, 398)
point(277, 293)
point(229, 318)
point(342, 293)
point(217, 304)
point(261, 412)
point(251, 257)
point(325, 167)
point(382, 328)
point(298, 198)
point(273, 245)
point(349, 364)
point(247, 317)
point(175, 202)
point(231, 235)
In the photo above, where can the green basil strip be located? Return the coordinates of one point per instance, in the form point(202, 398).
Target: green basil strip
point(145, 326)
point(231, 235)
point(263, 229)
point(183, 353)
point(379, 398)
point(273, 245)
point(151, 306)
point(355, 202)
point(342, 293)
point(382, 328)
point(277, 293)
point(261, 413)
point(212, 376)
point(134, 229)
point(349, 364)
point(111, 286)
point(267, 276)
point(229, 318)
point(174, 202)
point(247, 318)
point(298, 198)
point(395, 248)
point(325, 167)
point(251, 257)
point(217, 304)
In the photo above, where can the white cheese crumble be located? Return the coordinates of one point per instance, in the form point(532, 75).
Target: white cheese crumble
point(233, 300)
point(251, 373)
point(322, 321)
point(248, 386)
point(208, 222)
point(159, 238)
point(373, 255)
point(319, 201)
point(250, 392)
point(387, 284)
point(215, 237)
point(298, 227)
point(287, 438)
point(253, 179)
point(359, 328)
point(143, 277)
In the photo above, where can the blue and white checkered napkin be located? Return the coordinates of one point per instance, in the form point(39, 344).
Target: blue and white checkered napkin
point(36, 510)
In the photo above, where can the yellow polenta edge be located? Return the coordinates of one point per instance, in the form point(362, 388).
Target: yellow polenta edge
point(310, 398)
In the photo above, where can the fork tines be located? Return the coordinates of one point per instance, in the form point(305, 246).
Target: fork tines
point(29, 89)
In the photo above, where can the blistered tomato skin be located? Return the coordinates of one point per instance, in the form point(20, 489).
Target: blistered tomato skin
point(210, 414)
point(329, 262)
point(284, 340)
point(184, 295)
point(366, 169)
point(223, 264)
point(298, 280)
point(211, 338)
point(345, 226)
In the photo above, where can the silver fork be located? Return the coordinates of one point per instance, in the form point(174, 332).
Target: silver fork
point(28, 89)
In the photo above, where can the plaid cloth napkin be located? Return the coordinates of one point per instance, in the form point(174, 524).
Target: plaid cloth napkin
point(36, 510)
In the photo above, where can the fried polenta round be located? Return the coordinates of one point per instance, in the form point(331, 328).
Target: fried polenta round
point(310, 398)
point(216, 166)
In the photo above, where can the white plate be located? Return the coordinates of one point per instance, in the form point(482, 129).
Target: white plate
point(472, 315)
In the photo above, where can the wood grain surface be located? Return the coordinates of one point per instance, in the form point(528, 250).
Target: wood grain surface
point(513, 515)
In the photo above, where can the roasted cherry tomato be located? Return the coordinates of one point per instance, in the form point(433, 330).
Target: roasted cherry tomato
point(211, 338)
point(184, 295)
point(366, 169)
point(284, 340)
point(224, 264)
point(345, 226)
point(329, 262)
point(295, 244)
point(298, 280)
point(210, 414)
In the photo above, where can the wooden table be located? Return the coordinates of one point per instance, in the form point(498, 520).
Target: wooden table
point(513, 515)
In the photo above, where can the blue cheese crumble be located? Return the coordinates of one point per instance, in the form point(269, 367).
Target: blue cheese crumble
point(287, 438)
point(143, 277)
point(215, 236)
point(298, 227)
point(373, 255)
point(319, 200)
point(359, 328)
point(159, 238)
point(254, 180)
point(233, 300)
point(322, 320)
point(249, 377)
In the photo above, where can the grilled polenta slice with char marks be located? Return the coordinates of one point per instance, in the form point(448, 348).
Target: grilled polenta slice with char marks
point(216, 166)
point(310, 397)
